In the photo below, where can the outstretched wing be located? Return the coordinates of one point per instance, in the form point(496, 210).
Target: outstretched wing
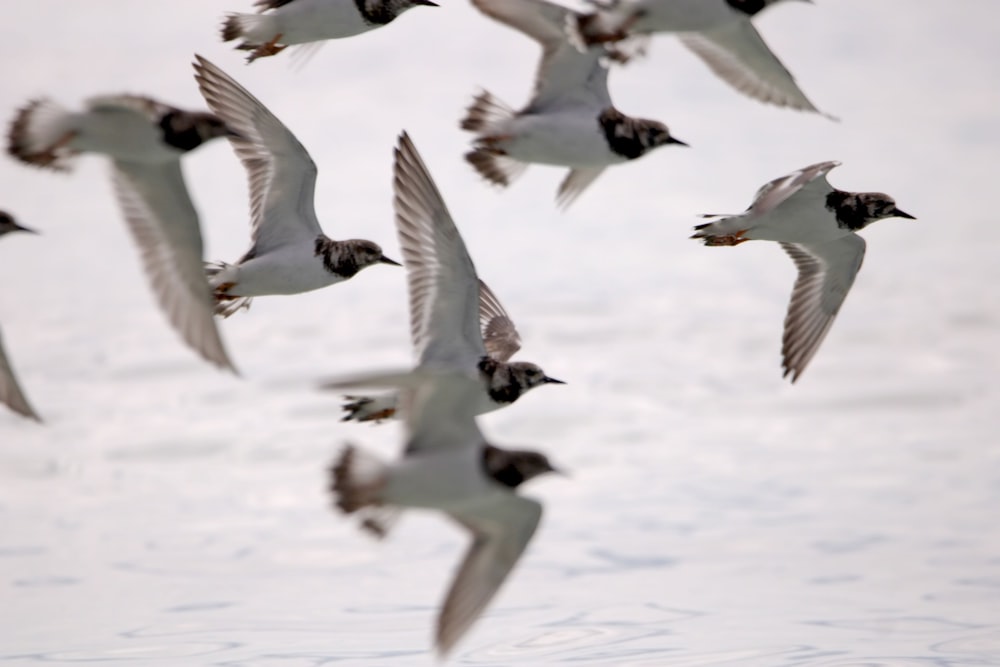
point(736, 53)
point(566, 76)
point(165, 228)
point(500, 531)
point(281, 174)
point(10, 391)
point(826, 273)
point(807, 183)
point(444, 289)
point(499, 333)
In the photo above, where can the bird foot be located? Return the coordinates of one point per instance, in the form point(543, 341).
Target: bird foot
point(727, 239)
point(271, 48)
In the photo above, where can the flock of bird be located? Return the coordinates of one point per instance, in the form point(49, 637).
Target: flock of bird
point(462, 337)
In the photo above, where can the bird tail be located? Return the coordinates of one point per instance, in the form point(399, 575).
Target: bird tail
point(253, 29)
point(225, 304)
point(485, 113)
point(40, 134)
point(496, 168)
point(369, 408)
point(356, 482)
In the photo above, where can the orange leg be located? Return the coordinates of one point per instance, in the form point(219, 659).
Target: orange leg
point(269, 49)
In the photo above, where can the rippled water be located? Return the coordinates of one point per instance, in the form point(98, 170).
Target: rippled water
point(166, 514)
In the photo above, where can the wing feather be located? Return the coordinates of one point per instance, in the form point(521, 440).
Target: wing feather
point(499, 333)
point(737, 54)
point(826, 272)
point(500, 533)
point(443, 286)
point(566, 76)
point(164, 225)
point(280, 172)
point(10, 391)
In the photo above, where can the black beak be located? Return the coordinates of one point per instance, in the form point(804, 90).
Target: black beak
point(22, 228)
point(426, 3)
point(549, 380)
point(902, 214)
point(385, 260)
point(558, 471)
point(673, 140)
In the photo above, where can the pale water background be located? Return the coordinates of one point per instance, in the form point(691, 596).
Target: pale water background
point(169, 514)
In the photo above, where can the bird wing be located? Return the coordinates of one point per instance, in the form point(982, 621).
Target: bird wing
point(826, 273)
point(499, 333)
point(281, 175)
point(566, 76)
point(165, 228)
point(500, 531)
point(444, 290)
point(736, 53)
point(10, 391)
point(807, 183)
point(576, 181)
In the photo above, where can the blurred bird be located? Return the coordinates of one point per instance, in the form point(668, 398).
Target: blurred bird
point(570, 120)
point(445, 321)
point(815, 223)
point(719, 32)
point(447, 465)
point(282, 23)
point(11, 394)
point(145, 140)
point(289, 253)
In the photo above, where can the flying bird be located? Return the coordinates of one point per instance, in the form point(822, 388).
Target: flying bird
point(452, 312)
point(570, 120)
point(282, 23)
point(145, 140)
point(815, 223)
point(720, 32)
point(289, 253)
point(447, 466)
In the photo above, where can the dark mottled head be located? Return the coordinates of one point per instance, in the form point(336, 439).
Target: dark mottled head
point(857, 210)
point(752, 7)
point(380, 12)
point(186, 130)
point(367, 253)
point(633, 137)
point(513, 467)
point(9, 224)
point(530, 375)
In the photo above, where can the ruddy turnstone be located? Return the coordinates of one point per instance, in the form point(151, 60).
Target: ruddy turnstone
point(570, 120)
point(448, 466)
point(11, 394)
point(719, 32)
point(145, 140)
point(452, 312)
point(815, 223)
point(282, 23)
point(289, 253)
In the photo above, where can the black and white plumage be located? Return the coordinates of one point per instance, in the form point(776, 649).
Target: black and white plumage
point(570, 120)
point(283, 23)
point(720, 32)
point(145, 140)
point(447, 466)
point(815, 223)
point(455, 319)
point(11, 393)
point(289, 253)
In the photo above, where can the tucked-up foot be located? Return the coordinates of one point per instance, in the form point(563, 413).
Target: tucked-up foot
point(271, 48)
point(358, 408)
point(727, 239)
